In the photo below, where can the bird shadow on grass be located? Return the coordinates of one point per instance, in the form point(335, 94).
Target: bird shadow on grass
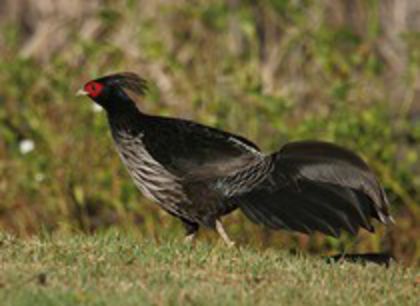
point(383, 259)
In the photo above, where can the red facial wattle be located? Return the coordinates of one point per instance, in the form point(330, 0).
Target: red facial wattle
point(94, 89)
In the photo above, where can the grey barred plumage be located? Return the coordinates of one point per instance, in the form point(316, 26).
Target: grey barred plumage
point(154, 181)
point(245, 179)
point(199, 174)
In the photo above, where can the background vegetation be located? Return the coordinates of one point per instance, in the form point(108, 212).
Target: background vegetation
point(273, 71)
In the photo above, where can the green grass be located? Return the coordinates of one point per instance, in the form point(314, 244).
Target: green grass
point(119, 269)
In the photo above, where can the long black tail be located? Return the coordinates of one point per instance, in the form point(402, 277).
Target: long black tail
point(317, 186)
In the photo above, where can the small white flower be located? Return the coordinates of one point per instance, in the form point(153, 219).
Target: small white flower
point(26, 146)
point(96, 108)
point(39, 177)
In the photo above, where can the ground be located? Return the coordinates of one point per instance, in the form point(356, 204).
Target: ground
point(120, 269)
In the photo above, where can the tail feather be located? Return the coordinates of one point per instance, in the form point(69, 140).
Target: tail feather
point(361, 206)
point(336, 217)
point(306, 211)
point(317, 187)
point(272, 217)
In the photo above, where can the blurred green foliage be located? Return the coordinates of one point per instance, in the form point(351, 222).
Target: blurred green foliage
point(273, 71)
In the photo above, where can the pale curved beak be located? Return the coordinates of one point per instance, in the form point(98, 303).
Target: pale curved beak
point(81, 92)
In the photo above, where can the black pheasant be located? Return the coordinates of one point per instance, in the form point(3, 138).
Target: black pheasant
point(199, 174)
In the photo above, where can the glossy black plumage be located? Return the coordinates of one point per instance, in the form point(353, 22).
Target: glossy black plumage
point(199, 173)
